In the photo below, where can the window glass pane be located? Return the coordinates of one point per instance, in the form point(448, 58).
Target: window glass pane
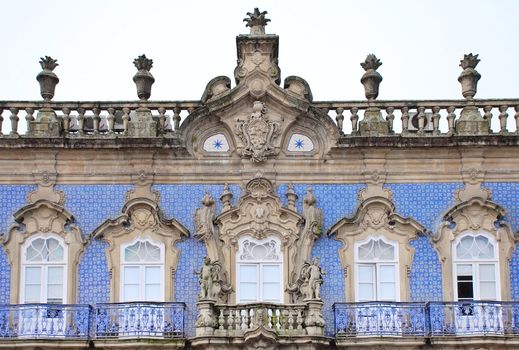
point(366, 273)
point(32, 293)
point(152, 292)
point(487, 272)
point(259, 252)
point(464, 270)
point(152, 274)
point(465, 287)
point(55, 274)
point(387, 274)
point(272, 273)
point(32, 275)
point(272, 292)
point(366, 251)
point(253, 250)
point(366, 292)
point(387, 291)
point(248, 273)
point(54, 250)
point(131, 275)
point(248, 292)
point(131, 292)
point(55, 292)
point(142, 251)
point(130, 253)
point(485, 249)
point(152, 252)
point(487, 291)
point(384, 251)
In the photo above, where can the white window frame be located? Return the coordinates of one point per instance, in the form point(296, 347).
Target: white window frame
point(142, 269)
point(377, 265)
point(259, 264)
point(44, 269)
point(475, 264)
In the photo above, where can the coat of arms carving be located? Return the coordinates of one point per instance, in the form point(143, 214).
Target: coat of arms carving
point(257, 133)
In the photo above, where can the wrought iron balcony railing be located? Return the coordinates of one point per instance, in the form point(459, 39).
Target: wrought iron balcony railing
point(102, 321)
point(45, 321)
point(434, 319)
point(380, 319)
point(164, 320)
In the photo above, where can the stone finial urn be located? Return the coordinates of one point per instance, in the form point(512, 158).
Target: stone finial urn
point(47, 78)
point(143, 78)
point(257, 22)
point(469, 77)
point(371, 79)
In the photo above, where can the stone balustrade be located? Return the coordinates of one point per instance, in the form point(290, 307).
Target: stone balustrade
point(404, 118)
point(423, 118)
point(237, 320)
point(88, 119)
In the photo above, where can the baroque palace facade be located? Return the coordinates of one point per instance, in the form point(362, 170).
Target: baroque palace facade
point(258, 218)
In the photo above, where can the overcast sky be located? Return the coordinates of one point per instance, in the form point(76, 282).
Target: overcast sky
point(419, 42)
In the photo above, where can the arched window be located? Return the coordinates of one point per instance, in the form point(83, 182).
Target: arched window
point(142, 271)
point(475, 268)
point(376, 263)
point(44, 270)
point(259, 266)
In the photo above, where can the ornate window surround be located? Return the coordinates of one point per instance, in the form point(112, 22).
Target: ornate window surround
point(376, 217)
point(475, 215)
point(141, 218)
point(44, 218)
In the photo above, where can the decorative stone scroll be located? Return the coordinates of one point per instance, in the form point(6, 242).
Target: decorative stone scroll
point(258, 133)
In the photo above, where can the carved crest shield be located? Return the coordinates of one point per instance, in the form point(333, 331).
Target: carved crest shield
point(257, 133)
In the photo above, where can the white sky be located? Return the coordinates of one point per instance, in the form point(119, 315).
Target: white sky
point(419, 42)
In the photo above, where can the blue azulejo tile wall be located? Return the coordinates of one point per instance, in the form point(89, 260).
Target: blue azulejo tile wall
point(12, 198)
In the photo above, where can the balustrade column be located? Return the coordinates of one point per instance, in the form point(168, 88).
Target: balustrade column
point(502, 119)
point(66, 120)
point(450, 118)
point(436, 120)
point(126, 119)
point(516, 116)
point(14, 121)
point(81, 120)
point(29, 118)
point(176, 118)
point(96, 119)
point(488, 114)
point(339, 119)
point(405, 119)
point(354, 120)
point(162, 119)
point(1, 121)
point(390, 118)
point(421, 119)
point(110, 120)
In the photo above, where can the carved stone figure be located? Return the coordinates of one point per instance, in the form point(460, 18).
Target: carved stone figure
point(257, 133)
point(204, 217)
point(256, 21)
point(312, 277)
point(209, 279)
point(313, 215)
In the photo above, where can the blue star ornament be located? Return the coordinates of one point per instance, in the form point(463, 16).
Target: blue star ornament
point(299, 144)
point(217, 144)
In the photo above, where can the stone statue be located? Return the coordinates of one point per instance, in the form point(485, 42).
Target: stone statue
point(313, 215)
point(204, 217)
point(312, 277)
point(209, 279)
